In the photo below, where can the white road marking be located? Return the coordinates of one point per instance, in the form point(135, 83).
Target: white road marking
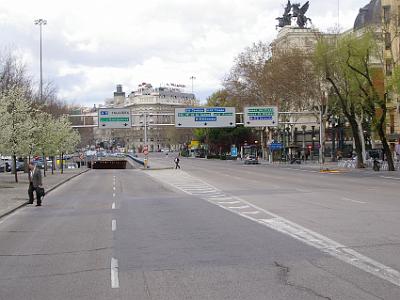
point(251, 212)
point(351, 200)
point(113, 195)
point(114, 188)
point(114, 273)
point(228, 202)
point(239, 207)
point(333, 248)
point(311, 238)
point(387, 177)
point(114, 225)
point(113, 205)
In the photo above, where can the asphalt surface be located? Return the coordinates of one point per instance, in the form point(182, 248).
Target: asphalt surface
point(208, 231)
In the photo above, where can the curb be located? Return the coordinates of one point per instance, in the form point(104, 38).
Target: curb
point(47, 192)
point(160, 168)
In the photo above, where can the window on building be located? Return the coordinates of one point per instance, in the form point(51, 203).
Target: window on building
point(389, 67)
point(386, 14)
point(388, 40)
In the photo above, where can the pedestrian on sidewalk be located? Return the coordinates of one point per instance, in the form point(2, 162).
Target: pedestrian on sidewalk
point(35, 182)
point(177, 166)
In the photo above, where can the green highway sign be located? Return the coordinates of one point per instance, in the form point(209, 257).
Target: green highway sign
point(114, 118)
point(205, 117)
point(262, 116)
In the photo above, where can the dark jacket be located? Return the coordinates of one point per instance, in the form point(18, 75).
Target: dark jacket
point(36, 177)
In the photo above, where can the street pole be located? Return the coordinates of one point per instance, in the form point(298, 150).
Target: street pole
point(145, 129)
point(41, 22)
point(192, 78)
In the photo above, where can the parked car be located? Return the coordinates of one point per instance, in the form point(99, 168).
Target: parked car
point(5, 166)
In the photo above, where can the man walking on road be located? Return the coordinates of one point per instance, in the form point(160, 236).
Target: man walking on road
point(177, 166)
point(35, 181)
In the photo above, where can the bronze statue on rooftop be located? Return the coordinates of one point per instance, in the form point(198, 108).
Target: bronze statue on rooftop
point(297, 12)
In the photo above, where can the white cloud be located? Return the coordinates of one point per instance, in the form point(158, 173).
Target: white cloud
point(91, 46)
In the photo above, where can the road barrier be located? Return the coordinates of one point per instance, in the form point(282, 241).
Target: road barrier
point(135, 159)
point(109, 164)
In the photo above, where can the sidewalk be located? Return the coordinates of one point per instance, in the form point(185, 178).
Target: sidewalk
point(15, 195)
point(327, 166)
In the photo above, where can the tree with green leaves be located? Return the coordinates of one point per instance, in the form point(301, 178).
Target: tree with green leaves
point(15, 125)
point(66, 138)
point(331, 57)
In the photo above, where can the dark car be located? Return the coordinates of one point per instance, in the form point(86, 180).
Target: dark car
point(5, 166)
point(251, 160)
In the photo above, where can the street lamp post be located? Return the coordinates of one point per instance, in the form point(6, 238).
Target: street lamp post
point(41, 22)
point(192, 78)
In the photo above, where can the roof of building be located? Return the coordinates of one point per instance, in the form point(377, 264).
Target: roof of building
point(369, 15)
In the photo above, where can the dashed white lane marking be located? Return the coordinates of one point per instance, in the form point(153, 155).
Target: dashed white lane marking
point(388, 177)
point(114, 273)
point(113, 195)
point(113, 205)
point(114, 225)
point(354, 201)
point(284, 226)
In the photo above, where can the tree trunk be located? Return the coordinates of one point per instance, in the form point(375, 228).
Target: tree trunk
point(62, 162)
point(357, 141)
point(44, 165)
point(14, 167)
point(362, 139)
point(52, 165)
point(386, 148)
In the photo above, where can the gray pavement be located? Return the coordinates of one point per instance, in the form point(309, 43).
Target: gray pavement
point(14, 195)
point(212, 230)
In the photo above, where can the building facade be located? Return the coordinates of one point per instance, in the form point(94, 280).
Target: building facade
point(390, 18)
point(152, 117)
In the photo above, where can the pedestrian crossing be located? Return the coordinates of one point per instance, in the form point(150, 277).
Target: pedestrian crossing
point(199, 188)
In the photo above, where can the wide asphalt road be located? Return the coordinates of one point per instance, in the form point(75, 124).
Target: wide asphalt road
point(213, 230)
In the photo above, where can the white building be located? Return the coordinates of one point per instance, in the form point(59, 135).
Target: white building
point(152, 115)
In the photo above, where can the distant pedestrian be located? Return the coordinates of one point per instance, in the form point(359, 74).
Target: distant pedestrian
point(177, 166)
point(35, 184)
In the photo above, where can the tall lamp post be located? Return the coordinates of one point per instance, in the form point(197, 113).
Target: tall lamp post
point(192, 78)
point(41, 22)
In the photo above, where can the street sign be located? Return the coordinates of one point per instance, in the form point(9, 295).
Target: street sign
point(262, 116)
point(275, 146)
point(205, 117)
point(114, 118)
point(234, 151)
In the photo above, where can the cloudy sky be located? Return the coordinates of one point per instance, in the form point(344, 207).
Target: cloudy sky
point(90, 46)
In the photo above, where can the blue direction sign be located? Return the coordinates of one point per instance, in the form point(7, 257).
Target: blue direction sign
point(234, 151)
point(276, 146)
